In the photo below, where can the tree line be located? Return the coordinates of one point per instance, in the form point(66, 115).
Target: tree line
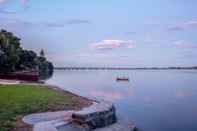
point(14, 58)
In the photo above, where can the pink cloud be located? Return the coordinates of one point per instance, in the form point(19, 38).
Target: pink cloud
point(112, 44)
point(184, 44)
point(183, 26)
point(3, 1)
point(191, 23)
point(24, 2)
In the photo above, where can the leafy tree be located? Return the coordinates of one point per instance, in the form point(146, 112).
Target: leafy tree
point(42, 54)
point(9, 46)
point(14, 58)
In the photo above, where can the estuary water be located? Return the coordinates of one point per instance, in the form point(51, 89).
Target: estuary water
point(155, 100)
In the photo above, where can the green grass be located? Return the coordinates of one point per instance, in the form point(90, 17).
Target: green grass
point(19, 100)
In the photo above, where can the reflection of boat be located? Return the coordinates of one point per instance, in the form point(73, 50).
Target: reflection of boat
point(122, 79)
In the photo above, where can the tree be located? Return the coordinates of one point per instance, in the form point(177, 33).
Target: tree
point(42, 54)
point(14, 58)
point(9, 47)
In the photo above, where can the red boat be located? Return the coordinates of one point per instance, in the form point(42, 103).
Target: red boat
point(122, 79)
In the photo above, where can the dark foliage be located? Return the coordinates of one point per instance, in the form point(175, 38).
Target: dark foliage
point(14, 58)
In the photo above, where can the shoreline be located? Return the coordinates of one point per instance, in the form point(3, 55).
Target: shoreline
point(78, 106)
point(82, 101)
point(78, 102)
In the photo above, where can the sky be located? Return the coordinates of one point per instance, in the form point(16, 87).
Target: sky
point(121, 33)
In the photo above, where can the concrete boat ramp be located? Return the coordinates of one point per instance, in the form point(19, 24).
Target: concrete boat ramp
point(100, 116)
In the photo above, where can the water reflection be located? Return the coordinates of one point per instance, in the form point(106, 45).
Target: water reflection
point(112, 95)
point(183, 93)
point(154, 100)
point(148, 100)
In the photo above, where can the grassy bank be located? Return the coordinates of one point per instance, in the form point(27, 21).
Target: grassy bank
point(19, 100)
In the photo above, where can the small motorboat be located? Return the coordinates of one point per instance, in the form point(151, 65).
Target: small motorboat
point(122, 79)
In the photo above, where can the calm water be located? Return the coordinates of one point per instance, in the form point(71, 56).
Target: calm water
point(154, 100)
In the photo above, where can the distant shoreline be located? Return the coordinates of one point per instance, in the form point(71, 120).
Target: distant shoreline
point(125, 68)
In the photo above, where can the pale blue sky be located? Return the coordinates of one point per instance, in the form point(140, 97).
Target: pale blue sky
point(126, 33)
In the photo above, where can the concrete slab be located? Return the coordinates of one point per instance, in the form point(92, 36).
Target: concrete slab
point(9, 82)
point(96, 107)
point(47, 116)
point(61, 120)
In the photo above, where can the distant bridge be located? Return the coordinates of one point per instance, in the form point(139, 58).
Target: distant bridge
point(125, 68)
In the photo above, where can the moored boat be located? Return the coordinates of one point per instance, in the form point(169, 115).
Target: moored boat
point(122, 79)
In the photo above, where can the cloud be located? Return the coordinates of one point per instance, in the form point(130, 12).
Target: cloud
point(113, 44)
point(3, 1)
point(191, 23)
point(77, 21)
point(184, 44)
point(176, 28)
point(7, 12)
point(130, 33)
point(63, 24)
point(184, 26)
point(23, 2)
point(53, 25)
point(15, 21)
